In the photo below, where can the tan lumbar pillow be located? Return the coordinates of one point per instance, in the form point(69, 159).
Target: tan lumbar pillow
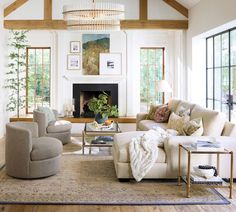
point(193, 127)
point(177, 122)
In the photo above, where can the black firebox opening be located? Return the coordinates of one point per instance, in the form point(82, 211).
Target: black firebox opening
point(83, 92)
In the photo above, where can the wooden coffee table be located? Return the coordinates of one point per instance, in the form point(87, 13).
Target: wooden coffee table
point(90, 131)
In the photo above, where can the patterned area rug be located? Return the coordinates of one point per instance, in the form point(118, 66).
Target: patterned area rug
point(92, 180)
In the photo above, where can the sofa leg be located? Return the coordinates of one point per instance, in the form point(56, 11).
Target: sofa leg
point(122, 180)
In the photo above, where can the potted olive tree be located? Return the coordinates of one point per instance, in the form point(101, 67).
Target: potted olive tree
point(101, 108)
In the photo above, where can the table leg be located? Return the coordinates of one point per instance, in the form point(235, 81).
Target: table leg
point(231, 176)
point(188, 174)
point(218, 163)
point(83, 142)
point(179, 164)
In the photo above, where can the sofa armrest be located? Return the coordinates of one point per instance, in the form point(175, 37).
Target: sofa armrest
point(140, 117)
point(171, 147)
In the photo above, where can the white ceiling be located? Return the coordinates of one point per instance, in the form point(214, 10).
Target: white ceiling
point(187, 3)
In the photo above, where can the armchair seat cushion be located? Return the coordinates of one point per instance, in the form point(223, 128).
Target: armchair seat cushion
point(121, 147)
point(59, 126)
point(45, 148)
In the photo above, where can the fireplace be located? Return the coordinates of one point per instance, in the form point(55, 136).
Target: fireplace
point(83, 92)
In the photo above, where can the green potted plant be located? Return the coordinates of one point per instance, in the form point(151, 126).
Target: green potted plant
point(16, 73)
point(101, 108)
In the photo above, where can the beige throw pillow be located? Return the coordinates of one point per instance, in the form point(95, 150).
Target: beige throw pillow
point(182, 111)
point(152, 110)
point(176, 122)
point(193, 127)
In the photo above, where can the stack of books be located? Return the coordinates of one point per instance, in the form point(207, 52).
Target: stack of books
point(207, 145)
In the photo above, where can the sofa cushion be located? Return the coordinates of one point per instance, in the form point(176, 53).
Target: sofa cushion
point(121, 147)
point(229, 129)
point(162, 114)
point(59, 126)
point(149, 124)
point(45, 148)
point(177, 122)
point(173, 104)
point(213, 121)
point(184, 108)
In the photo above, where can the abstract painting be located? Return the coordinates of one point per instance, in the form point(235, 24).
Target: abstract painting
point(93, 45)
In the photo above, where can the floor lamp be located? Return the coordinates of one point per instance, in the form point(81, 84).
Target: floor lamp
point(163, 87)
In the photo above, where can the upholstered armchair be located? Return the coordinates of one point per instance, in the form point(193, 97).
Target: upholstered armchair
point(50, 126)
point(29, 156)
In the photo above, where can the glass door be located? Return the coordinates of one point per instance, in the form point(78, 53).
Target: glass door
point(221, 73)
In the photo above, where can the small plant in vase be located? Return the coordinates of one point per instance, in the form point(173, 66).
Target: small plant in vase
point(101, 108)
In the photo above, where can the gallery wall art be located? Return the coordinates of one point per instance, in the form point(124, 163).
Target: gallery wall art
point(93, 45)
point(73, 62)
point(110, 64)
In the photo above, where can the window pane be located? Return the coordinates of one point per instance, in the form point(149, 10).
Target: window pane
point(233, 93)
point(225, 49)
point(233, 47)
point(151, 60)
point(38, 85)
point(46, 56)
point(39, 56)
point(210, 88)
point(217, 89)
point(31, 56)
point(210, 53)
point(217, 49)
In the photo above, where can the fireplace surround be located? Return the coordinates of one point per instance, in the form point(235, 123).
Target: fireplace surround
point(83, 92)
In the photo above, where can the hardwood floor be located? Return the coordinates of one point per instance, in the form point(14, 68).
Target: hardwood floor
point(101, 208)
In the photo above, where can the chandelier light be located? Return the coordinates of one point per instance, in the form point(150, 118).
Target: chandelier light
point(93, 15)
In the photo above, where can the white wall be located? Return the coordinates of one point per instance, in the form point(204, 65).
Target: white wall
point(206, 18)
point(3, 61)
point(127, 43)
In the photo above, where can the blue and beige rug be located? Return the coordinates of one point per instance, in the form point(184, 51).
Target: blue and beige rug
point(92, 180)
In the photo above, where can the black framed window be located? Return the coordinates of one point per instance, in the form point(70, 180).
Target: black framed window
point(221, 73)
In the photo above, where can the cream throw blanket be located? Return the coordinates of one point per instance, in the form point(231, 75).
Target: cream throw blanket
point(143, 151)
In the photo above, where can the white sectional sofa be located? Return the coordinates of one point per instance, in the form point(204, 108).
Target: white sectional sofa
point(166, 166)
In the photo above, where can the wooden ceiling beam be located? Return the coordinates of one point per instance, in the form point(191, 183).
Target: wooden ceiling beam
point(179, 7)
point(12, 7)
point(154, 24)
point(125, 24)
point(47, 9)
point(143, 9)
point(34, 24)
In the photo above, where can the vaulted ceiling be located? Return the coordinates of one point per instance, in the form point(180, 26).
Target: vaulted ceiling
point(182, 6)
point(187, 3)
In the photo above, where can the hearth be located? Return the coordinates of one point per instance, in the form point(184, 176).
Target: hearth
point(83, 92)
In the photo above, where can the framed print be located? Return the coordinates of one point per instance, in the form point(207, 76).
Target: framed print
point(110, 63)
point(75, 46)
point(92, 46)
point(73, 62)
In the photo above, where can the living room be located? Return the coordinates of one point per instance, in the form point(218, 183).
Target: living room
point(181, 31)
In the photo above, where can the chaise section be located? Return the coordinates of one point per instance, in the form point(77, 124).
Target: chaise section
point(121, 157)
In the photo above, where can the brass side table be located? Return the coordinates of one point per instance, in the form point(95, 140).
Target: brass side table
point(90, 131)
point(190, 151)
